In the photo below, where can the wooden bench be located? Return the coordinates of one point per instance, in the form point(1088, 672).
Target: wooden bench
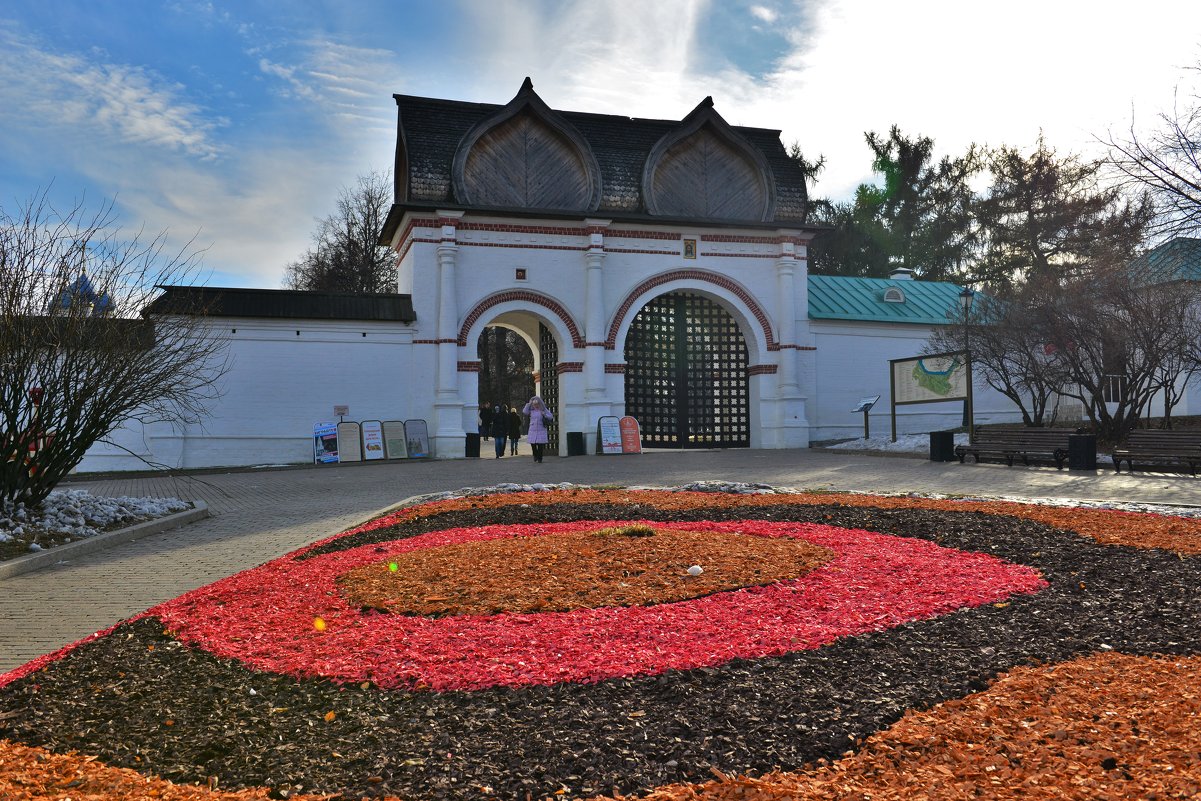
point(1028, 444)
point(1160, 448)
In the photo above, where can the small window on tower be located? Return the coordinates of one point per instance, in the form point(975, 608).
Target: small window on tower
point(521, 274)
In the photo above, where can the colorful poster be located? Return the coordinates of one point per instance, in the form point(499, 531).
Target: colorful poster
point(417, 437)
point(930, 378)
point(394, 440)
point(349, 444)
point(325, 443)
point(631, 437)
point(373, 440)
point(608, 435)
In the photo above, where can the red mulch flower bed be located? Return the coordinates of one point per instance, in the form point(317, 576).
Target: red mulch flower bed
point(553, 644)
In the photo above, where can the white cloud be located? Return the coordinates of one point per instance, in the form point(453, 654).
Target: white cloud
point(99, 100)
point(764, 14)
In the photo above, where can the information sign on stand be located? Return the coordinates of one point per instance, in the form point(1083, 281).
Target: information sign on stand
point(350, 447)
point(865, 406)
point(417, 437)
point(608, 435)
point(394, 440)
point(631, 437)
point(373, 440)
point(325, 443)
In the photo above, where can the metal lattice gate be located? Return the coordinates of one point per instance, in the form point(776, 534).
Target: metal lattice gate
point(686, 375)
point(548, 365)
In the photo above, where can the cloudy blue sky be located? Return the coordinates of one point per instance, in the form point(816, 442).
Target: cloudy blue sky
point(239, 121)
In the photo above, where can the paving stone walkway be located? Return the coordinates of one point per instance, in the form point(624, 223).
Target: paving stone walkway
point(259, 515)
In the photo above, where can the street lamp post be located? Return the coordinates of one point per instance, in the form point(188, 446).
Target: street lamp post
point(965, 303)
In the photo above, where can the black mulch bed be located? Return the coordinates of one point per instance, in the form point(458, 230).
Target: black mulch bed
point(112, 698)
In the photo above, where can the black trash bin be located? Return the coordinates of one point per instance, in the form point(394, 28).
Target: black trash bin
point(1082, 452)
point(575, 443)
point(942, 446)
point(472, 448)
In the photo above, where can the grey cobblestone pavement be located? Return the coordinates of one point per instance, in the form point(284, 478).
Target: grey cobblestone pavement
point(259, 515)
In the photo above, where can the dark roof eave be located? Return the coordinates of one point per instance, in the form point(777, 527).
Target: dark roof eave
point(400, 209)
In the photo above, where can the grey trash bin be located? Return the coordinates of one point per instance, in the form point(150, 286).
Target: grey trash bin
point(942, 446)
point(575, 443)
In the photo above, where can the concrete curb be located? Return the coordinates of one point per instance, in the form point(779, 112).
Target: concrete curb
point(36, 561)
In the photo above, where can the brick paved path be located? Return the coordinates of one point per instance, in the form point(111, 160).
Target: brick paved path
point(263, 514)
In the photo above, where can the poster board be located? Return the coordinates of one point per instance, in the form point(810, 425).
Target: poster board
point(930, 379)
point(394, 440)
point(350, 447)
point(373, 440)
point(325, 443)
point(631, 436)
point(417, 439)
point(608, 435)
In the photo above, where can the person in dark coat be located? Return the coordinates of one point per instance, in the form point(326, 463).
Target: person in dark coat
point(514, 429)
point(485, 420)
point(499, 428)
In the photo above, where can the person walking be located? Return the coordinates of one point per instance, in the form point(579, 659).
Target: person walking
point(500, 428)
point(485, 420)
point(514, 429)
point(539, 416)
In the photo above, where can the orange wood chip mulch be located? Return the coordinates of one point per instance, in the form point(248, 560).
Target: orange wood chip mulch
point(1108, 726)
point(72, 777)
point(1139, 530)
point(634, 566)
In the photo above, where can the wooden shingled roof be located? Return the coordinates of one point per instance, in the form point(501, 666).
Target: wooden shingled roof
point(433, 132)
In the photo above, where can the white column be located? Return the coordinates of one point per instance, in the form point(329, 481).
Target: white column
point(596, 401)
point(449, 437)
point(792, 427)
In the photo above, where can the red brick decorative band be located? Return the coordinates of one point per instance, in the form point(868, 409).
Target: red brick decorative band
point(435, 341)
point(690, 275)
point(469, 367)
point(761, 369)
point(569, 367)
point(521, 296)
point(615, 368)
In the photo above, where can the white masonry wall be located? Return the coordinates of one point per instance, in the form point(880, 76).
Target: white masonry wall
point(852, 363)
point(284, 376)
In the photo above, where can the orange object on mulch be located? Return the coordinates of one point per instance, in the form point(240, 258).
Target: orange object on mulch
point(1108, 726)
point(1138, 530)
point(630, 566)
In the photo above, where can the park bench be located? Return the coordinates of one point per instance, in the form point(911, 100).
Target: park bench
point(1160, 448)
point(1027, 444)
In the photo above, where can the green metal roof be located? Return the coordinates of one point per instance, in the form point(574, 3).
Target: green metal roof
point(836, 297)
point(1177, 260)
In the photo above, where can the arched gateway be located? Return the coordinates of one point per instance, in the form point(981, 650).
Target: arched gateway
point(662, 262)
point(686, 376)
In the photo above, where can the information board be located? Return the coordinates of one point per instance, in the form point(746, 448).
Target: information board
point(373, 440)
point(631, 437)
point(350, 448)
point(394, 440)
point(417, 438)
point(927, 379)
point(325, 443)
point(608, 435)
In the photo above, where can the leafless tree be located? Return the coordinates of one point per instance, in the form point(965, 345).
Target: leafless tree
point(345, 256)
point(1167, 162)
point(77, 356)
point(1008, 349)
point(1119, 339)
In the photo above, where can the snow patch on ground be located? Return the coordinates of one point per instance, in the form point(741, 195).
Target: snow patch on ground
point(906, 443)
point(78, 513)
